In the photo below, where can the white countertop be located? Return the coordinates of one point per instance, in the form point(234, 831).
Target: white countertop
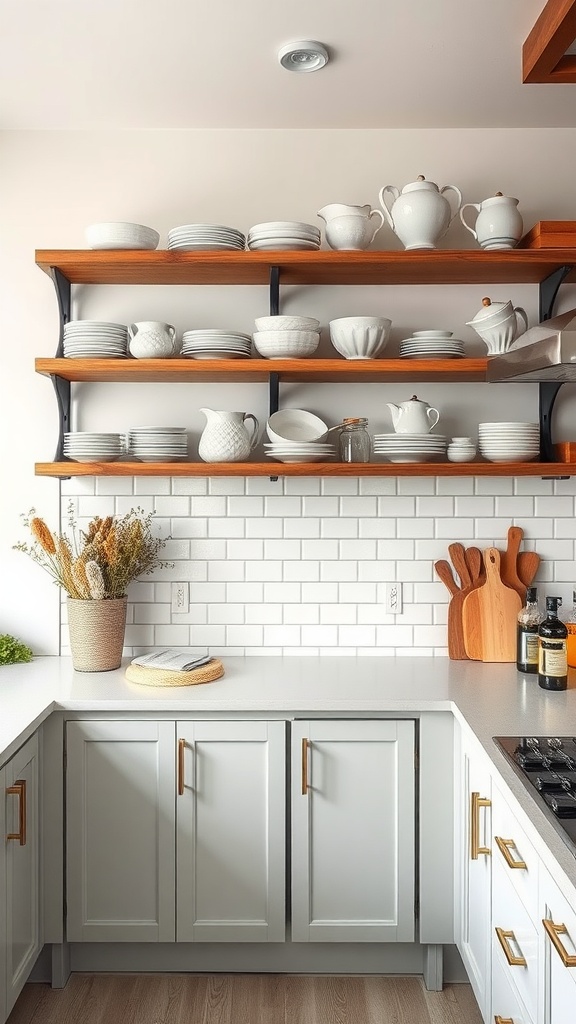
point(494, 700)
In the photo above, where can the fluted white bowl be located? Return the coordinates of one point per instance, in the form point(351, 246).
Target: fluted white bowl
point(286, 344)
point(295, 425)
point(360, 337)
point(287, 323)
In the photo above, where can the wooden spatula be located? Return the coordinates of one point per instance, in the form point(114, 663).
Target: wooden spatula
point(456, 648)
point(475, 564)
point(458, 557)
point(528, 565)
point(490, 616)
point(508, 562)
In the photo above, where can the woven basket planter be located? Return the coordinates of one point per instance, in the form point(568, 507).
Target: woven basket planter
point(97, 633)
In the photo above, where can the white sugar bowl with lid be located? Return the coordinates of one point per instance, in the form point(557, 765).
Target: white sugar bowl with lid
point(499, 324)
point(420, 214)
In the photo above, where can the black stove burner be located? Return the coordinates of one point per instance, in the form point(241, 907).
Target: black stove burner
point(547, 767)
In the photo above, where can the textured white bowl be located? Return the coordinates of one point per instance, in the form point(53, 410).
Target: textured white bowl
point(360, 337)
point(287, 323)
point(121, 235)
point(286, 344)
point(295, 425)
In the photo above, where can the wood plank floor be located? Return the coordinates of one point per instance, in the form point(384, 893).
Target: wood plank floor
point(243, 999)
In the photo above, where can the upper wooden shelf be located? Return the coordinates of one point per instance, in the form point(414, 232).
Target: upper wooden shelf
point(437, 266)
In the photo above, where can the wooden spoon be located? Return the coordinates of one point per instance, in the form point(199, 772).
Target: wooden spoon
point(528, 565)
point(508, 562)
point(444, 571)
point(459, 562)
point(475, 564)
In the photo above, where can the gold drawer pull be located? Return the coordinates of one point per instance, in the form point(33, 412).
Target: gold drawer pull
point(505, 845)
point(305, 745)
point(502, 1020)
point(476, 803)
point(554, 931)
point(503, 937)
point(181, 746)
point(19, 790)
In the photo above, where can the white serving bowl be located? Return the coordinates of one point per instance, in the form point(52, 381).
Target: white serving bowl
point(295, 425)
point(286, 344)
point(121, 235)
point(287, 323)
point(360, 337)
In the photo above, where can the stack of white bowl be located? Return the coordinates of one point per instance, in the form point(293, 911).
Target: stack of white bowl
point(283, 234)
point(431, 345)
point(205, 236)
point(85, 446)
point(121, 235)
point(509, 441)
point(87, 339)
point(410, 447)
point(158, 444)
point(286, 337)
point(360, 337)
point(216, 344)
point(297, 436)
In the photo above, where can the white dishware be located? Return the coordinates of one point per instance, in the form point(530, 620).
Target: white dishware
point(498, 223)
point(287, 323)
point(350, 227)
point(413, 417)
point(295, 425)
point(420, 214)
point(121, 235)
point(226, 438)
point(461, 449)
point(432, 334)
point(360, 337)
point(286, 344)
point(152, 339)
point(499, 324)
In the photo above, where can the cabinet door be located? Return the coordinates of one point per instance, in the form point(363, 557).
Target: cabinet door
point(22, 874)
point(231, 812)
point(558, 952)
point(474, 937)
point(507, 1007)
point(120, 831)
point(353, 824)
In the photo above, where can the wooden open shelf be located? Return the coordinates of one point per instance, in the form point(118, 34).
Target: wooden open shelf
point(435, 266)
point(271, 468)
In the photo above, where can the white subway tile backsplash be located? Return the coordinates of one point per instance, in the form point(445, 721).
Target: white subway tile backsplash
point(341, 527)
point(208, 549)
point(322, 549)
point(152, 613)
point(226, 526)
point(302, 527)
point(246, 593)
point(225, 613)
point(300, 614)
point(435, 506)
point(455, 485)
point(533, 485)
point(289, 505)
point(282, 636)
point(395, 549)
point(415, 571)
point(359, 593)
point(264, 527)
point(363, 505)
point(377, 570)
point(324, 593)
point(338, 571)
point(338, 613)
point(205, 636)
point(397, 506)
point(417, 527)
point(557, 505)
point(189, 485)
point(246, 506)
point(267, 613)
point(226, 485)
point(104, 485)
point(287, 592)
point(515, 507)
point(302, 571)
point(243, 548)
point(263, 571)
point(395, 636)
point(263, 485)
point(188, 527)
point(339, 485)
point(378, 484)
point(210, 506)
point(151, 485)
point(492, 530)
point(89, 505)
point(377, 527)
point(416, 485)
point(357, 636)
point(283, 549)
point(227, 571)
point(319, 636)
point(474, 506)
point(494, 485)
point(356, 549)
point(302, 485)
point(322, 506)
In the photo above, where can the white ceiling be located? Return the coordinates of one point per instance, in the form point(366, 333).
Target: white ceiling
point(184, 64)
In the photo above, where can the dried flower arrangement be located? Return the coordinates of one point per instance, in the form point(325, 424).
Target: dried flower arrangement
point(100, 563)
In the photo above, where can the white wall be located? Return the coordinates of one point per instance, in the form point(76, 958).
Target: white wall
point(53, 184)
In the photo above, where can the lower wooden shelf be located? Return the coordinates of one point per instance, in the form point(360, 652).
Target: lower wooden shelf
point(206, 469)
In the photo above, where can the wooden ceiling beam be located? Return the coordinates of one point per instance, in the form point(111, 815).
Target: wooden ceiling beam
point(544, 52)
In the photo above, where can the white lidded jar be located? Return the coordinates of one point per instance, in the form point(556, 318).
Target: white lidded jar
point(499, 224)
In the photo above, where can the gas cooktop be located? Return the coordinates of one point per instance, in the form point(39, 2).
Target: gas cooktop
point(547, 767)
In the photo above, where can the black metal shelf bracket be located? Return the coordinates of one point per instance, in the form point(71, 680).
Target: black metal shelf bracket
point(273, 398)
point(548, 390)
point(62, 387)
point(63, 398)
point(64, 296)
point(274, 291)
point(548, 290)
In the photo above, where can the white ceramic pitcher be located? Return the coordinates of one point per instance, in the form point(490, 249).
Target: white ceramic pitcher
point(413, 417)
point(420, 213)
point(225, 437)
point(499, 224)
point(349, 227)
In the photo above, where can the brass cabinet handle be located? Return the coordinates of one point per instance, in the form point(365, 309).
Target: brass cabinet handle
point(476, 802)
point(19, 790)
point(181, 746)
point(505, 845)
point(514, 961)
point(502, 1020)
point(305, 745)
point(554, 931)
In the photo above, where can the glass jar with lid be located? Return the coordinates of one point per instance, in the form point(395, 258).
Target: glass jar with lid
point(354, 443)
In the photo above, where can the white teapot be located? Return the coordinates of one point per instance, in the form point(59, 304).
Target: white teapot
point(349, 227)
point(225, 437)
point(413, 417)
point(420, 214)
point(498, 224)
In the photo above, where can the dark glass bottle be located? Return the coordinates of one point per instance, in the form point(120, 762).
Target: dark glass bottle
point(552, 655)
point(529, 619)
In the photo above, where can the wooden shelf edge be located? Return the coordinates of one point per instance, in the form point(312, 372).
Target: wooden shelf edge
point(205, 469)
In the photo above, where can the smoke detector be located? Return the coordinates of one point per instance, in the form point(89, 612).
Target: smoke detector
point(303, 56)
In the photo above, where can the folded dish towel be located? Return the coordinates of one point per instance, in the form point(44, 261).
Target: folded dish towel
point(171, 659)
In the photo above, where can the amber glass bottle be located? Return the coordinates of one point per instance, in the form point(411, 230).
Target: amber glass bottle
point(552, 656)
point(571, 627)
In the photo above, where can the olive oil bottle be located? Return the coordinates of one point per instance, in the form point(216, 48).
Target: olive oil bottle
point(552, 649)
point(529, 619)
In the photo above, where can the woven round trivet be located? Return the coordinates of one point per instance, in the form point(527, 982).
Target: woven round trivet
point(160, 677)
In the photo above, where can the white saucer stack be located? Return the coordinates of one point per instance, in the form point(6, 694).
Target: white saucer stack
point(283, 234)
point(84, 446)
point(205, 236)
point(89, 339)
point(300, 451)
point(411, 447)
point(121, 235)
point(509, 441)
point(431, 345)
point(216, 344)
point(158, 444)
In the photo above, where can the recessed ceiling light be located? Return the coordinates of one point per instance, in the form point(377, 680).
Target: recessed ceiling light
point(303, 56)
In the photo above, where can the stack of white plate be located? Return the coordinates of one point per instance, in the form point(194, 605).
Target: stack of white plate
point(411, 447)
point(283, 234)
point(205, 236)
point(509, 441)
point(121, 234)
point(300, 451)
point(431, 345)
point(158, 444)
point(216, 344)
point(87, 339)
point(84, 446)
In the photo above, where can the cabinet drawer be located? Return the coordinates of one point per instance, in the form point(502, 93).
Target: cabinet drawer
point(558, 927)
point(507, 1007)
point(515, 939)
point(515, 854)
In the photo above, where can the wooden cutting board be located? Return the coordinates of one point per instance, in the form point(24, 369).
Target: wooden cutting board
point(490, 615)
point(456, 649)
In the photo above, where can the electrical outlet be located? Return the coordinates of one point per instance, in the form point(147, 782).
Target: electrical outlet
point(393, 598)
point(180, 598)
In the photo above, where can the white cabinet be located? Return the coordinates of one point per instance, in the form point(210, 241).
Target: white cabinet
point(20, 926)
point(558, 953)
point(353, 828)
point(175, 840)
